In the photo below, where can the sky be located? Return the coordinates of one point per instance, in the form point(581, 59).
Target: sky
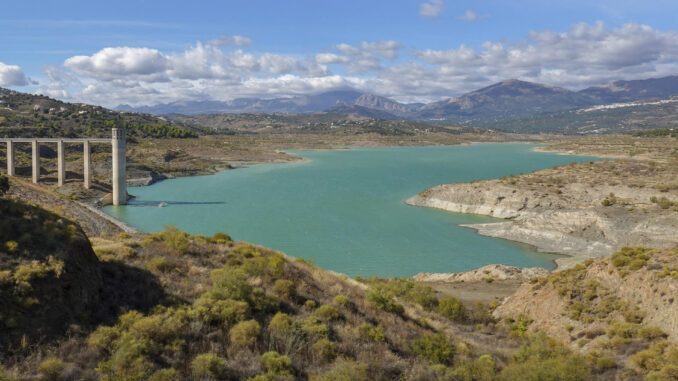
point(145, 52)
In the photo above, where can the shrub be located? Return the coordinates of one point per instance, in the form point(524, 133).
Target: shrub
point(437, 349)
point(326, 312)
point(169, 374)
point(273, 362)
point(208, 365)
point(230, 283)
point(485, 367)
point(570, 368)
point(369, 333)
point(324, 350)
point(244, 334)
point(381, 299)
point(222, 238)
point(452, 308)
point(158, 264)
point(285, 288)
point(623, 330)
point(340, 300)
point(281, 324)
point(651, 333)
point(103, 337)
point(313, 328)
point(310, 304)
point(175, 239)
point(215, 311)
point(605, 363)
point(51, 368)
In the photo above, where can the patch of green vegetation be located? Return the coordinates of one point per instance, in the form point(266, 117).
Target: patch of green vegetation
point(437, 349)
point(630, 258)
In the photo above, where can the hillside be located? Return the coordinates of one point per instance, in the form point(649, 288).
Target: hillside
point(29, 115)
point(502, 100)
point(629, 91)
point(511, 105)
point(612, 118)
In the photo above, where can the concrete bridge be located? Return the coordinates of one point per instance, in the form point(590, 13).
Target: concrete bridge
point(117, 142)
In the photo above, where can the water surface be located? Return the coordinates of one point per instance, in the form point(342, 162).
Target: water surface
point(344, 208)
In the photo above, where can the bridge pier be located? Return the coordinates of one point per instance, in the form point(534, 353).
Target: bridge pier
point(10, 158)
point(119, 172)
point(36, 160)
point(61, 163)
point(87, 171)
point(119, 167)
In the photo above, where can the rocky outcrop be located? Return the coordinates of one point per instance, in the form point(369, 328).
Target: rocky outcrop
point(568, 219)
point(494, 272)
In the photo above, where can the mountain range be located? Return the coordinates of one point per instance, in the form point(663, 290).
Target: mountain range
point(506, 99)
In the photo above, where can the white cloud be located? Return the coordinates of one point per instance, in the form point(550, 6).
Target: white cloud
point(12, 75)
point(584, 55)
point(431, 8)
point(110, 63)
point(470, 15)
point(235, 40)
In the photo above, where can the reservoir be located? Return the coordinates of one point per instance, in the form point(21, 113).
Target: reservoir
point(344, 208)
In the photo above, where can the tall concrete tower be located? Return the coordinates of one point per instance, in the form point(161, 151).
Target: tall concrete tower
point(119, 167)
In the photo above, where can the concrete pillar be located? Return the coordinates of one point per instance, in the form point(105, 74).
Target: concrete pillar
point(36, 160)
point(61, 163)
point(87, 171)
point(10, 158)
point(119, 167)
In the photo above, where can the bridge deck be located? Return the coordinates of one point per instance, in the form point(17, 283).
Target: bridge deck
point(54, 140)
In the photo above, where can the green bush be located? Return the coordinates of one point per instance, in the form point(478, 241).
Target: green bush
point(452, 308)
point(230, 283)
point(340, 301)
point(437, 349)
point(51, 368)
point(216, 311)
point(605, 363)
point(313, 328)
point(244, 334)
point(326, 312)
point(381, 299)
point(570, 368)
point(369, 333)
point(208, 365)
point(169, 374)
point(275, 363)
point(285, 288)
point(651, 333)
point(623, 330)
point(222, 238)
point(324, 350)
point(175, 239)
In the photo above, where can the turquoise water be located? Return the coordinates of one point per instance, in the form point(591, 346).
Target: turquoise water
point(345, 208)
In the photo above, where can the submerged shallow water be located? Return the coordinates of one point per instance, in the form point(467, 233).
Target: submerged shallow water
point(345, 209)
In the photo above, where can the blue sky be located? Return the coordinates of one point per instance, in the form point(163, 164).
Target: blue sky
point(145, 52)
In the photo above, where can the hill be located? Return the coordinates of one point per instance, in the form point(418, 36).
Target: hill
point(511, 101)
point(617, 117)
point(504, 99)
point(629, 91)
point(29, 115)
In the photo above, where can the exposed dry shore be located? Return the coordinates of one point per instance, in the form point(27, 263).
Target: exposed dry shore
point(564, 210)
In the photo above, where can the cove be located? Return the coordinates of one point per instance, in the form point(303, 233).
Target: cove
point(344, 208)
